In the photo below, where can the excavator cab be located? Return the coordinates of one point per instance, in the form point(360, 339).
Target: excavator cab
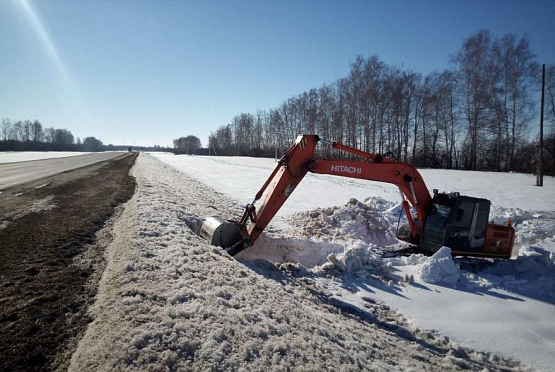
point(461, 223)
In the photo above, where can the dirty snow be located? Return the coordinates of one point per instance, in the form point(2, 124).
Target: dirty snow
point(341, 231)
point(169, 301)
point(17, 156)
point(37, 205)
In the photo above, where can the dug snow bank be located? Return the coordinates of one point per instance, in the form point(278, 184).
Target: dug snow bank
point(17, 156)
point(440, 268)
point(349, 233)
point(372, 221)
point(169, 301)
point(281, 248)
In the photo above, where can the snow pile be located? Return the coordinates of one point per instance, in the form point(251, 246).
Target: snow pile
point(357, 227)
point(371, 222)
point(360, 262)
point(413, 259)
point(532, 262)
point(439, 269)
point(531, 227)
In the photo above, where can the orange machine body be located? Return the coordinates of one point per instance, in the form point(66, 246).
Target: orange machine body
point(300, 159)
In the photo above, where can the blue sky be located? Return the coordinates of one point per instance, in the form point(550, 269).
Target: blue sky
point(151, 71)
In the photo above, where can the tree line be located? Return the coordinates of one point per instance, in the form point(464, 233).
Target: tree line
point(476, 115)
point(187, 145)
point(27, 135)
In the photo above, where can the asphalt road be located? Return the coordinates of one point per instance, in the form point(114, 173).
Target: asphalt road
point(12, 174)
point(52, 258)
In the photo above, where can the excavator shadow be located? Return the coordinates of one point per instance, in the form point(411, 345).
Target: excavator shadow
point(371, 285)
point(397, 282)
point(533, 288)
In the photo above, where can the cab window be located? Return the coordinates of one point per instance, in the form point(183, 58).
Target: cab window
point(463, 216)
point(443, 210)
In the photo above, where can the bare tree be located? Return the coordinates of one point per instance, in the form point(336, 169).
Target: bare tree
point(474, 66)
point(50, 134)
point(27, 130)
point(183, 145)
point(36, 131)
point(514, 77)
point(19, 134)
point(6, 129)
point(92, 144)
point(63, 137)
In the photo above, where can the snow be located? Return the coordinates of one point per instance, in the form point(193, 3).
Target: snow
point(241, 177)
point(339, 228)
point(439, 269)
point(169, 301)
point(505, 307)
point(479, 311)
point(17, 156)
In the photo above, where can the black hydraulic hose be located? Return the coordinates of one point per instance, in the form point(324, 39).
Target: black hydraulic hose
point(399, 220)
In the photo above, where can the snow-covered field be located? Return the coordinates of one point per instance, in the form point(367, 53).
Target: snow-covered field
point(17, 156)
point(505, 307)
point(241, 177)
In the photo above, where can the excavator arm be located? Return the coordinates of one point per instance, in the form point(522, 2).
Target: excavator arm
point(300, 159)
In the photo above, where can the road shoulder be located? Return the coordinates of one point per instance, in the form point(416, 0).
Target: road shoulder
point(51, 260)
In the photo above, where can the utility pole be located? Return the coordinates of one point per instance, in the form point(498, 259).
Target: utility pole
point(539, 180)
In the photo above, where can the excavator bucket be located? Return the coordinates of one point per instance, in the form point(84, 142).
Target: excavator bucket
point(221, 233)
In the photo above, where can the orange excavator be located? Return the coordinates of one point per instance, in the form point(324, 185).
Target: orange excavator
point(446, 219)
